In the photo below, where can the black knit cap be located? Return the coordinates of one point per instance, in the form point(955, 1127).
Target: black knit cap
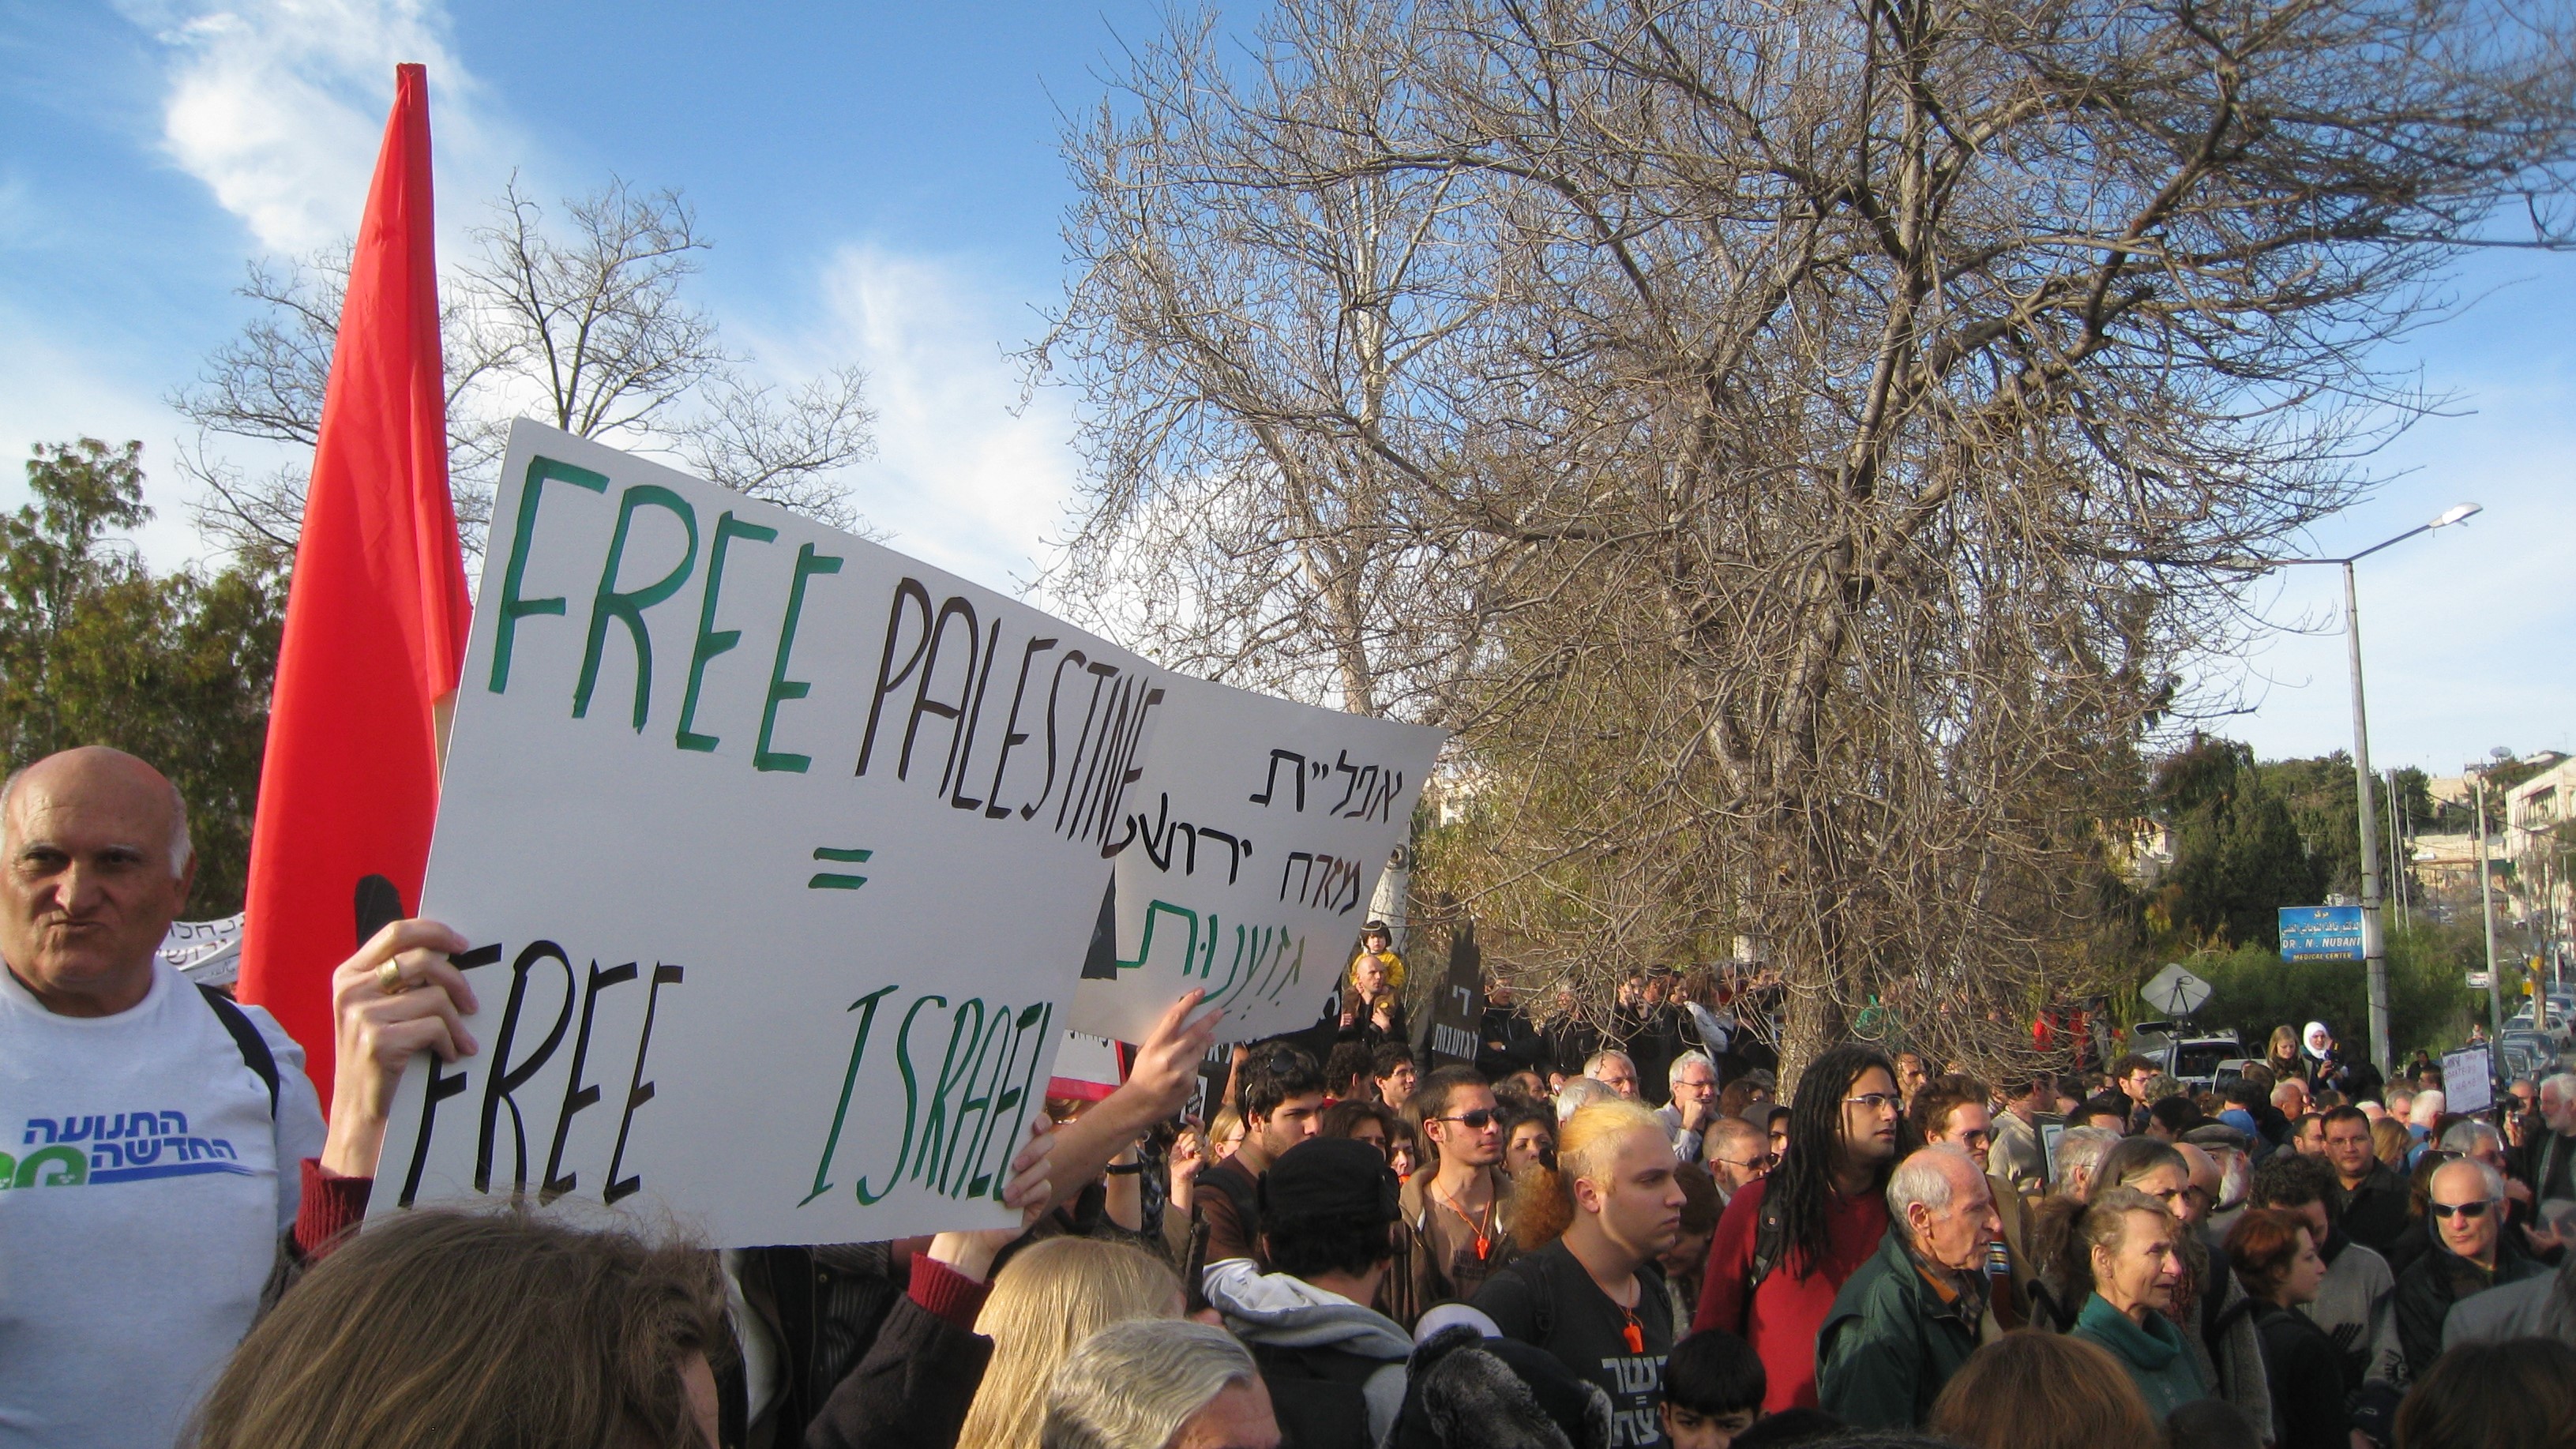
point(1329, 1177)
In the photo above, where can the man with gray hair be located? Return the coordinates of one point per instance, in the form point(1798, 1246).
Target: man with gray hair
point(1735, 1152)
point(2079, 1151)
point(2542, 1306)
point(1691, 1083)
point(158, 1131)
point(2549, 1157)
point(2471, 1253)
point(1158, 1383)
point(1614, 1069)
point(1907, 1321)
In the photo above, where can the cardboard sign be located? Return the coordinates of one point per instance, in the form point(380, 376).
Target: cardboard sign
point(206, 952)
point(2468, 1079)
point(777, 852)
point(1248, 851)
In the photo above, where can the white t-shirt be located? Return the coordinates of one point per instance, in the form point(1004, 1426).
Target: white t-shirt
point(147, 1191)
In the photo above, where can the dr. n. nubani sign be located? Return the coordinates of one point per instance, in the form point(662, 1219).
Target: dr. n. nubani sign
point(779, 853)
point(2322, 933)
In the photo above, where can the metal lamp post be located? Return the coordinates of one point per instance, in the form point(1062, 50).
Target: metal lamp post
point(2486, 913)
point(2374, 944)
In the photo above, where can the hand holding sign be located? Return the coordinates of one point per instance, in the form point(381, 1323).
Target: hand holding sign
point(379, 1031)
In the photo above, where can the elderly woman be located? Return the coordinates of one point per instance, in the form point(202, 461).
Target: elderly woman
point(2132, 1244)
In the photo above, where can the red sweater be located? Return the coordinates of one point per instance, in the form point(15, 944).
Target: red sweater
point(1782, 1318)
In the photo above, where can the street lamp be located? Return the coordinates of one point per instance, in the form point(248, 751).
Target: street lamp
point(2374, 947)
point(2486, 898)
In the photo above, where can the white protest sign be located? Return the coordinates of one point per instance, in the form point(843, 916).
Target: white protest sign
point(1247, 854)
point(777, 852)
point(2468, 1079)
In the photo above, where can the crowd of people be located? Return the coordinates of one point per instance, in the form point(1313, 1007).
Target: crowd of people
point(1585, 1238)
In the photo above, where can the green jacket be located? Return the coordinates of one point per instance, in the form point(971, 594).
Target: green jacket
point(2154, 1355)
point(1891, 1341)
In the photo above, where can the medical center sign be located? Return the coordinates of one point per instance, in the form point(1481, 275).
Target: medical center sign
point(778, 852)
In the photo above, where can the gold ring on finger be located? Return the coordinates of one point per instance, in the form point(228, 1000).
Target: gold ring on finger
point(389, 979)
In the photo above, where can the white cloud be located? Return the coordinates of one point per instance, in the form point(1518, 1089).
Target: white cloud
point(964, 478)
point(55, 388)
point(278, 106)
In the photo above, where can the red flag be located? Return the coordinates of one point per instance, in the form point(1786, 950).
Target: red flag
point(375, 620)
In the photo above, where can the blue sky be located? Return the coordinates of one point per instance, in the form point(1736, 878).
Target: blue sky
point(883, 186)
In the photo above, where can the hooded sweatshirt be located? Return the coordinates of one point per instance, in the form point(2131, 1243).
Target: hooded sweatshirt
point(1317, 1350)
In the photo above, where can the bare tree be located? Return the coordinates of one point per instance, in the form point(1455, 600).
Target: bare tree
point(584, 326)
point(1242, 237)
point(1839, 452)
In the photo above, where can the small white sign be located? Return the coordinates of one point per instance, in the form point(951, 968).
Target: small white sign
point(1250, 849)
point(2468, 1079)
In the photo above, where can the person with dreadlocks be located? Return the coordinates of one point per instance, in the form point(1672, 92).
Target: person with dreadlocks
point(1789, 1241)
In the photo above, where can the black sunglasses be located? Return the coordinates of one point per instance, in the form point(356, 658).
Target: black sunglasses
point(2470, 1210)
point(1476, 1121)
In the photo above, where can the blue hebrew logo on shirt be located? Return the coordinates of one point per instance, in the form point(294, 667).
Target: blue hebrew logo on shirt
point(121, 1147)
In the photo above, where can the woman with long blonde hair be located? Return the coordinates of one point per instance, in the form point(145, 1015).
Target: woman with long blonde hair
point(1046, 1301)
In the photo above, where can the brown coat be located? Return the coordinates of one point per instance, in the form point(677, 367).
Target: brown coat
point(1435, 1255)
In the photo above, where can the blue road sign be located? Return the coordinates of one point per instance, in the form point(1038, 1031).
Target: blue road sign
point(2321, 933)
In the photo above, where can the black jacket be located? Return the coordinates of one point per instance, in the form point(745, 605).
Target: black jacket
point(2310, 1380)
point(911, 1391)
point(2374, 1214)
point(822, 1307)
point(2440, 1278)
point(1506, 1042)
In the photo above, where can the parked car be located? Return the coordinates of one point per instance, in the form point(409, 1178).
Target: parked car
point(2194, 1061)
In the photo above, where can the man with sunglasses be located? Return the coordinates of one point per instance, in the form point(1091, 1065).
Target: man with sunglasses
point(1452, 1236)
point(2530, 1308)
point(1736, 1152)
point(2471, 1253)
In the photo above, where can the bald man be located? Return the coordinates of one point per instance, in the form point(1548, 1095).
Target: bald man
point(157, 1131)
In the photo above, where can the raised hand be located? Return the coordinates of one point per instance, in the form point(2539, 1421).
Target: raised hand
point(398, 996)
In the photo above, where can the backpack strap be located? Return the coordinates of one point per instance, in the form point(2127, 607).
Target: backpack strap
point(254, 1047)
point(1770, 1241)
point(1542, 1297)
point(2216, 1322)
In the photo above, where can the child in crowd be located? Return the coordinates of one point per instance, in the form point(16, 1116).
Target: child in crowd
point(1713, 1388)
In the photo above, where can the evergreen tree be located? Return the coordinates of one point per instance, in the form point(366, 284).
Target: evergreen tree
point(94, 649)
point(2239, 852)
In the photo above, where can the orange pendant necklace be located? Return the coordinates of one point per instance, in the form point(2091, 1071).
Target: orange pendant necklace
point(1483, 1230)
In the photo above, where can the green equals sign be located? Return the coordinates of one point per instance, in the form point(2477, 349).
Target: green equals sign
point(830, 881)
